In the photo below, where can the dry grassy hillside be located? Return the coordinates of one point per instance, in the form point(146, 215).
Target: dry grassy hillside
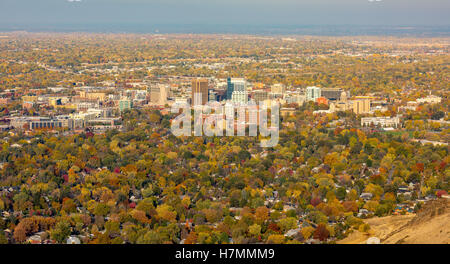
point(431, 225)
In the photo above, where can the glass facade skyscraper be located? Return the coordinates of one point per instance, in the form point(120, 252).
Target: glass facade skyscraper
point(235, 84)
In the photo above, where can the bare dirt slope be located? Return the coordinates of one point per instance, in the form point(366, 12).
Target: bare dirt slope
point(430, 226)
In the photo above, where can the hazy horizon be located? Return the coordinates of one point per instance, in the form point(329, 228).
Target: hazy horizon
point(232, 16)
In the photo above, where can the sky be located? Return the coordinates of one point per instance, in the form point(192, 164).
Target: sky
point(226, 12)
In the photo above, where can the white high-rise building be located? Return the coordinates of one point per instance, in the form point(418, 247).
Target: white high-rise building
point(312, 93)
point(239, 97)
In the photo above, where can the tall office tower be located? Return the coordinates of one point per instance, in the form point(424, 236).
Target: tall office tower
point(235, 84)
point(230, 88)
point(312, 93)
point(164, 94)
point(199, 92)
point(361, 106)
point(278, 88)
point(159, 94)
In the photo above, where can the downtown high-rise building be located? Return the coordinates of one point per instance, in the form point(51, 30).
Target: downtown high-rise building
point(235, 84)
point(239, 97)
point(312, 93)
point(361, 106)
point(199, 92)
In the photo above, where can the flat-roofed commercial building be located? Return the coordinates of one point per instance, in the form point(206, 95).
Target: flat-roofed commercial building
point(34, 123)
point(93, 95)
point(431, 99)
point(332, 93)
point(29, 98)
point(381, 121)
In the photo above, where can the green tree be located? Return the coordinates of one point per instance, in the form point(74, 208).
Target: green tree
point(61, 231)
